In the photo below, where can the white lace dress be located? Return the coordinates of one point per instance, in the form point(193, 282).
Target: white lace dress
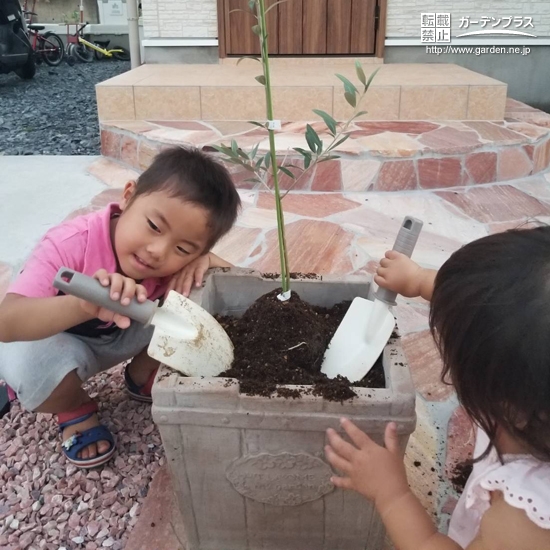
point(522, 479)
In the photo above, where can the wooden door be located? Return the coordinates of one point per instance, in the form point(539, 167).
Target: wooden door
point(239, 21)
point(302, 27)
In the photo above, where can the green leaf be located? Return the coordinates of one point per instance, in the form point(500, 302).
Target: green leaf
point(360, 72)
point(360, 113)
point(370, 79)
point(340, 141)
point(252, 5)
point(329, 157)
point(313, 141)
point(301, 151)
point(273, 5)
point(261, 79)
point(259, 163)
point(267, 159)
point(307, 161)
point(254, 180)
point(328, 120)
point(260, 124)
point(256, 30)
point(249, 57)
point(348, 86)
point(234, 147)
point(286, 171)
point(351, 99)
point(254, 151)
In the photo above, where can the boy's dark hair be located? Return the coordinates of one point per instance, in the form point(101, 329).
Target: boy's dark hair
point(490, 316)
point(197, 178)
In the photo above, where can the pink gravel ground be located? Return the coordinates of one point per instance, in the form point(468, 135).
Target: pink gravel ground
point(48, 503)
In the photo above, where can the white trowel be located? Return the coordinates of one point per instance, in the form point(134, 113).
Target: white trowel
point(186, 337)
point(368, 324)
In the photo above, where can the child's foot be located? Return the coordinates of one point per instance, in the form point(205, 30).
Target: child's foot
point(92, 450)
point(86, 442)
point(139, 383)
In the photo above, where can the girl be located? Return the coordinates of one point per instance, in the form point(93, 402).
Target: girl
point(490, 317)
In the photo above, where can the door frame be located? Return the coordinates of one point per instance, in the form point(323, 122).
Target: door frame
point(380, 29)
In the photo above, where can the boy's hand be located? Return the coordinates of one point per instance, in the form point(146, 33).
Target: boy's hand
point(123, 289)
point(400, 274)
point(191, 274)
point(376, 472)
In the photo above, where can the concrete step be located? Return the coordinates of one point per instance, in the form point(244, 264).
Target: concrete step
point(227, 91)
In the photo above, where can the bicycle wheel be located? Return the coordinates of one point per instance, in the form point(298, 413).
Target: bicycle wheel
point(98, 55)
point(120, 53)
point(83, 53)
point(53, 49)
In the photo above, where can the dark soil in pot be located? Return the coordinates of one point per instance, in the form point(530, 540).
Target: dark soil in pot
point(278, 343)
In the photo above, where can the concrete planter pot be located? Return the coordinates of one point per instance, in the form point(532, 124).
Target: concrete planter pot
point(249, 472)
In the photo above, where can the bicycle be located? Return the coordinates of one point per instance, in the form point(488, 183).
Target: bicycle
point(84, 50)
point(47, 47)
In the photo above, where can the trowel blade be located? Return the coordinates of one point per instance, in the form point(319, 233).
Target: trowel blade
point(354, 349)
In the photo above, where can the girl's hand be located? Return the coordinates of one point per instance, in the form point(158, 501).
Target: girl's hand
point(191, 274)
point(123, 289)
point(400, 274)
point(376, 472)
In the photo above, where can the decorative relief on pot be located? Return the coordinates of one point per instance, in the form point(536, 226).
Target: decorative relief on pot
point(284, 479)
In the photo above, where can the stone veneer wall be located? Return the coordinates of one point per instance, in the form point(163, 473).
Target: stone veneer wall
point(179, 18)
point(198, 18)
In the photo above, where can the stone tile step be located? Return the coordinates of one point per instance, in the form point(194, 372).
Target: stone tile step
point(230, 92)
point(378, 156)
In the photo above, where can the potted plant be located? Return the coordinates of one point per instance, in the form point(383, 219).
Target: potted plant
point(248, 469)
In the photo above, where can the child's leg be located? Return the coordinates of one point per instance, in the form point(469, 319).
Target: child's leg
point(141, 368)
point(47, 376)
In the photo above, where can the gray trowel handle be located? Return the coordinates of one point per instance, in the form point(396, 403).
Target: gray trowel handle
point(90, 289)
point(405, 243)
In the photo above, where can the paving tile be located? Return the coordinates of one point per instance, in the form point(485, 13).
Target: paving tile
point(129, 150)
point(422, 205)
point(496, 203)
point(529, 130)
point(499, 227)
point(482, 167)
point(411, 316)
point(159, 520)
point(537, 186)
point(398, 175)
point(541, 156)
point(97, 203)
point(438, 173)
point(513, 162)
point(146, 153)
point(112, 173)
point(388, 144)
point(134, 126)
point(449, 139)
point(422, 460)
point(236, 246)
point(460, 440)
point(110, 144)
point(327, 176)
point(358, 175)
point(426, 366)
point(262, 218)
point(326, 251)
point(529, 150)
point(401, 126)
point(493, 132)
point(184, 125)
point(313, 206)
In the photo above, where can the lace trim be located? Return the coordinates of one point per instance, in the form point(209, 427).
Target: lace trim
point(525, 484)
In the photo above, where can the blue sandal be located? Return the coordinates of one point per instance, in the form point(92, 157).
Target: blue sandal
point(80, 440)
point(139, 393)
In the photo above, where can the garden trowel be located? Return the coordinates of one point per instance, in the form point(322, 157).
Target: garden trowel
point(368, 324)
point(186, 337)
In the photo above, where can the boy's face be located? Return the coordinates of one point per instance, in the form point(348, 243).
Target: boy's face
point(157, 235)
